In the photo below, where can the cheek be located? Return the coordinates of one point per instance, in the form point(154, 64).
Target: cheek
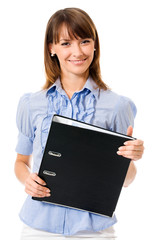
point(90, 54)
point(62, 56)
point(90, 51)
point(61, 53)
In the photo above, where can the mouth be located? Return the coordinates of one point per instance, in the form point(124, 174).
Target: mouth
point(78, 61)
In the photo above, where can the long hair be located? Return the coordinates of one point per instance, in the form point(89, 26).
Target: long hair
point(78, 24)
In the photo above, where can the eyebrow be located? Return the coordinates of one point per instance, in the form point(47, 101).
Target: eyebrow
point(65, 40)
point(69, 39)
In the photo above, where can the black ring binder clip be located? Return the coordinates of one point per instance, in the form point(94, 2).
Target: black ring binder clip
point(49, 173)
point(55, 154)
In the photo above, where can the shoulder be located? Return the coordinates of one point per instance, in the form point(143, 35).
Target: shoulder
point(33, 101)
point(108, 95)
point(31, 106)
point(118, 111)
point(109, 99)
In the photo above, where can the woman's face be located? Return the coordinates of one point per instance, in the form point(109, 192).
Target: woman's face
point(74, 55)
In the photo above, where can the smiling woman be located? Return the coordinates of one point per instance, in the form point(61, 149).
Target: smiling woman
point(74, 89)
point(77, 52)
point(75, 56)
point(75, 31)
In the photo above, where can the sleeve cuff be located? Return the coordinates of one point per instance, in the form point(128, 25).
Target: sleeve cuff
point(24, 145)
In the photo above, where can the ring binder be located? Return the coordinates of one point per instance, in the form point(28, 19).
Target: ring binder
point(90, 174)
point(55, 154)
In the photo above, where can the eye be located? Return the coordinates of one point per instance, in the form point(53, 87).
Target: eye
point(65, 44)
point(85, 41)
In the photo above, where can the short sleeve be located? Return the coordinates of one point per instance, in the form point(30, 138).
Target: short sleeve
point(124, 115)
point(26, 132)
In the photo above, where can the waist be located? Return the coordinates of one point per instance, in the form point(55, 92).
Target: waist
point(29, 232)
point(62, 220)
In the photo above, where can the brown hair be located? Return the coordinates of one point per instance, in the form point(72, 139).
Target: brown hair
point(79, 24)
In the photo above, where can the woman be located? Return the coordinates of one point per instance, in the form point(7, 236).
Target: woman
point(73, 88)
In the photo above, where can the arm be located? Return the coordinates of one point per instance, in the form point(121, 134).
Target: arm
point(134, 150)
point(131, 174)
point(34, 185)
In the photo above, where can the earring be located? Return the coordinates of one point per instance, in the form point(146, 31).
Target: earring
point(94, 49)
point(52, 55)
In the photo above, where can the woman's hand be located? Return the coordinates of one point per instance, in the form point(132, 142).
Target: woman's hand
point(133, 149)
point(35, 186)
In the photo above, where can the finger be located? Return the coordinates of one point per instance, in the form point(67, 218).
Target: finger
point(130, 154)
point(33, 194)
point(134, 142)
point(32, 184)
point(130, 131)
point(37, 192)
point(135, 158)
point(131, 148)
point(36, 178)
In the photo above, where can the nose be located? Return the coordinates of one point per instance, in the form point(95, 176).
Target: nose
point(77, 51)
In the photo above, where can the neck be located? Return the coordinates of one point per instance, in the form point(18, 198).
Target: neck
point(72, 84)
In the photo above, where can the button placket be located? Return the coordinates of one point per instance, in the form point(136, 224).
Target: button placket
point(70, 108)
point(50, 105)
point(46, 121)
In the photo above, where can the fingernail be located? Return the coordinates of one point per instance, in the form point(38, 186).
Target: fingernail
point(125, 143)
point(120, 148)
point(48, 190)
point(118, 152)
point(48, 195)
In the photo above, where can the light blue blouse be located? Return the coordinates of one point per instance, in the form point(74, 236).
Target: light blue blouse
point(35, 111)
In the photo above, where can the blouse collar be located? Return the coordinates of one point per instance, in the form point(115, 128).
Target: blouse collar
point(90, 85)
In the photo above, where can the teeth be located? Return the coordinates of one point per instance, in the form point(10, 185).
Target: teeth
point(76, 61)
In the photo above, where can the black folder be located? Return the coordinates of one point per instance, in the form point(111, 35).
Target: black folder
point(81, 167)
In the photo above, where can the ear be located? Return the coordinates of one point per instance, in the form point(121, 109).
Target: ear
point(94, 46)
point(51, 49)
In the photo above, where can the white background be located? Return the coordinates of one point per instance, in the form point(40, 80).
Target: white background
point(129, 34)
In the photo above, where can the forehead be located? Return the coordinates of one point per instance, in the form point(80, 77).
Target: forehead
point(64, 33)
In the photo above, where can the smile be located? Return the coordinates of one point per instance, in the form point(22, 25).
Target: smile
point(77, 62)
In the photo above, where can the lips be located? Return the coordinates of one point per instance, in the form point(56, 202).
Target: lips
point(78, 61)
